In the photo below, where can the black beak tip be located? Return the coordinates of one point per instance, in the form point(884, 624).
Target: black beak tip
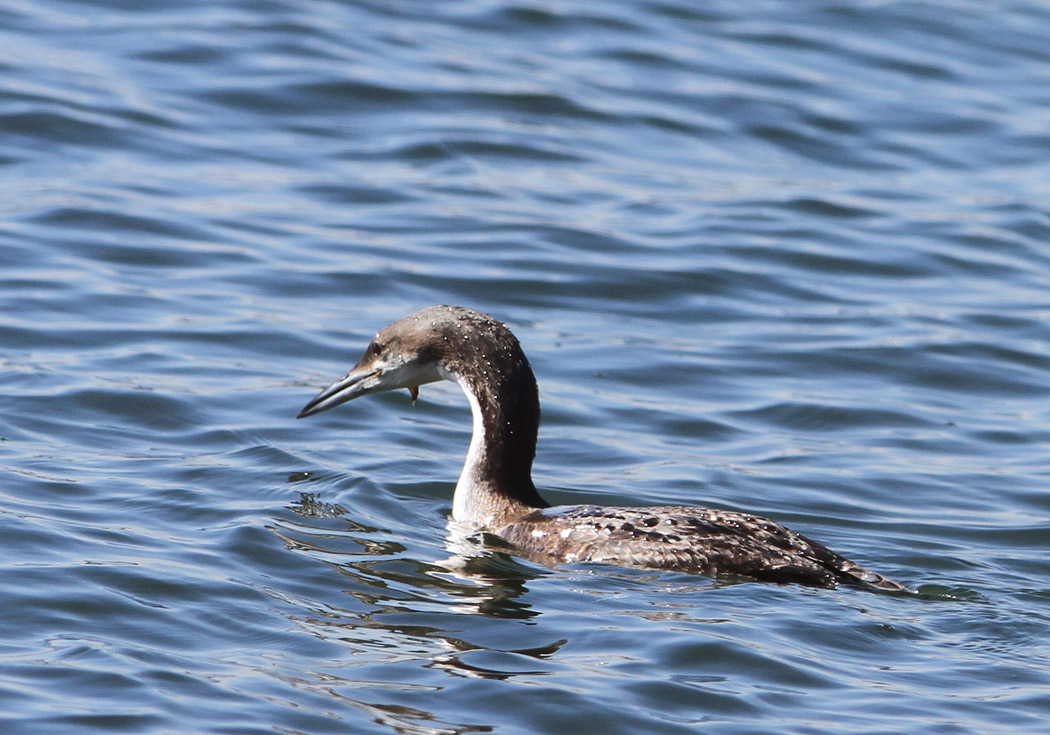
point(307, 410)
point(345, 389)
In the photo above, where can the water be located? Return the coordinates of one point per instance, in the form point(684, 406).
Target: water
point(789, 257)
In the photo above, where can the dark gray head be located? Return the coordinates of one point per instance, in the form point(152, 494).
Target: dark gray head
point(480, 353)
point(436, 343)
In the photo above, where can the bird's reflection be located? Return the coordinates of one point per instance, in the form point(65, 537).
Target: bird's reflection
point(387, 606)
point(477, 577)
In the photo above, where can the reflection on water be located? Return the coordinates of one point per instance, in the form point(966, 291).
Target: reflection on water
point(474, 580)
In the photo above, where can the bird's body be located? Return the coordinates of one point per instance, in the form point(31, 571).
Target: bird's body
point(684, 539)
point(495, 492)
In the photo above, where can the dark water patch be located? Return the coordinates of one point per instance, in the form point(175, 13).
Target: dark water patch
point(115, 408)
point(295, 100)
point(345, 194)
point(994, 354)
point(538, 105)
point(811, 417)
point(825, 208)
point(921, 366)
point(184, 53)
point(452, 149)
point(655, 57)
point(839, 260)
point(532, 22)
point(325, 96)
point(64, 127)
point(112, 224)
point(810, 145)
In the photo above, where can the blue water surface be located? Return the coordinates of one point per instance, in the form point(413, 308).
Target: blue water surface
point(784, 257)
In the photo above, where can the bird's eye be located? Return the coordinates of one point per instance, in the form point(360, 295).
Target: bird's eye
point(376, 348)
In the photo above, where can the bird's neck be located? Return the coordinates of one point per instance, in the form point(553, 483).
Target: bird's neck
point(496, 486)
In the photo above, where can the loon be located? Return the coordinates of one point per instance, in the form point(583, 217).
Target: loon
point(495, 492)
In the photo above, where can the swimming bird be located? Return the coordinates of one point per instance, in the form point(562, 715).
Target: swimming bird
point(495, 492)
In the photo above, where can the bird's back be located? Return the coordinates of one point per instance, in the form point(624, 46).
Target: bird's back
point(686, 539)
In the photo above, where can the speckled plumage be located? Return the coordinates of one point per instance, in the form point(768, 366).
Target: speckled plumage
point(685, 539)
point(495, 491)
